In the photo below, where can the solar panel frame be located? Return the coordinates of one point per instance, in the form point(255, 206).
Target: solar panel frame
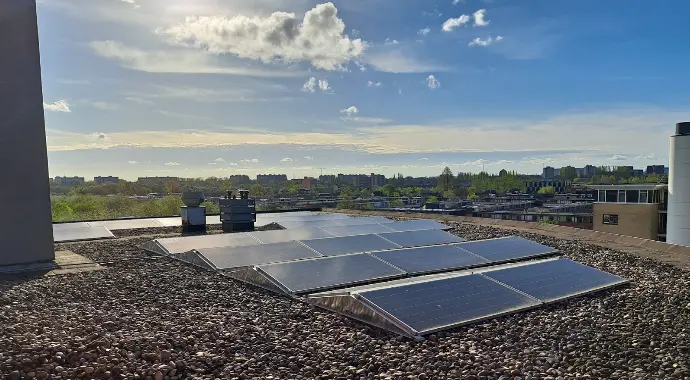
point(229, 258)
point(377, 299)
point(360, 268)
point(431, 259)
point(552, 273)
point(506, 249)
point(343, 245)
point(421, 238)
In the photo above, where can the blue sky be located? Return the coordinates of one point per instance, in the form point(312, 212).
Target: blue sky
point(213, 88)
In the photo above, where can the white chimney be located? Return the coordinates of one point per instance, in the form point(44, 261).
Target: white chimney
point(678, 225)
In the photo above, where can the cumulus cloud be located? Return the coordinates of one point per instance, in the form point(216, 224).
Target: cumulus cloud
point(432, 82)
point(352, 110)
point(650, 156)
point(618, 157)
point(308, 158)
point(453, 23)
point(424, 32)
point(479, 18)
point(251, 161)
point(324, 86)
point(172, 164)
point(457, 1)
point(286, 159)
point(318, 38)
point(57, 106)
point(373, 84)
point(219, 160)
point(388, 41)
point(423, 159)
point(311, 85)
point(132, 162)
point(479, 42)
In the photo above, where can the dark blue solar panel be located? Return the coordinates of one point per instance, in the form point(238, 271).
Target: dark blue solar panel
point(556, 279)
point(421, 224)
point(279, 236)
point(506, 249)
point(349, 244)
point(421, 238)
point(430, 259)
point(358, 230)
point(329, 272)
point(442, 303)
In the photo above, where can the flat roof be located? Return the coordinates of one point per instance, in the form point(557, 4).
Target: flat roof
point(631, 186)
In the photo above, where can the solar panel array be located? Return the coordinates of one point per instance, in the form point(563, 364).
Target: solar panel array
point(67, 233)
point(176, 245)
point(424, 305)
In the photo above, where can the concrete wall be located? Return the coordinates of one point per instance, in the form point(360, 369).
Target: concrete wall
point(26, 232)
point(639, 220)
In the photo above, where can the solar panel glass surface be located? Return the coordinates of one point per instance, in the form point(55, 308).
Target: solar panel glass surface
point(329, 272)
point(430, 259)
point(421, 238)
point(349, 244)
point(438, 304)
point(505, 249)
point(188, 243)
point(555, 279)
point(237, 257)
point(81, 233)
point(420, 224)
point(358, 230)
point(279, 236)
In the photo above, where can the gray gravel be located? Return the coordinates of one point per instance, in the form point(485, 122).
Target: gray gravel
point(149, 318)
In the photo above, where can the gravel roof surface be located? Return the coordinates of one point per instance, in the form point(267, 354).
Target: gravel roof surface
point(147, 318)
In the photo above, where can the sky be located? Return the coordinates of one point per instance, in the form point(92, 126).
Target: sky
point(221, 87)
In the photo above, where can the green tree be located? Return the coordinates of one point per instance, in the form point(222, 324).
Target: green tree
point(432, 199)
point(569, 173)
point(449, 194)
point(446, 179)
point(365, 194)
point(548, 190)
point(256, 191)
point(388, 190)
point(397, 203)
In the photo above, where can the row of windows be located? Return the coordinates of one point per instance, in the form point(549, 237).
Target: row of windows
point(631, 196)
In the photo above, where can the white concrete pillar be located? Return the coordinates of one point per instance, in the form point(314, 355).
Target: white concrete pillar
point(26, 231)
point(678, 224)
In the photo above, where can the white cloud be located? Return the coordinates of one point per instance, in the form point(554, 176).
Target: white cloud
point(139, 100)
point(432, 82)
point(453, 23)
point(388, 41)
point(233, 164)
point(172, 164)
point(308, 158)
point(424, 32)
point(219, 159)
point(132, 162)
point(309, 85)
point(479, 42)
point(457, 1)
point(650, 156)
point(423, 159)
point(352, 110)
point(373, 84)
point(618, 157)
point(250, 160)
point(479, 18)
point(324, 86)
point(57, 106)
point(175, 61)
point(286, 159)
point(318, 38)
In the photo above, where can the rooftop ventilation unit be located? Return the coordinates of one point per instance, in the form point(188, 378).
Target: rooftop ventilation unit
point(193, 214)
point(678, 225)
point(237, 214)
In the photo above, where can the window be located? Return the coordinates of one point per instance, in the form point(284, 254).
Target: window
point(601, 196)
point(632, 196)
point(611, 196)
point(621, 196)
point(611, 219)
point(643, 196)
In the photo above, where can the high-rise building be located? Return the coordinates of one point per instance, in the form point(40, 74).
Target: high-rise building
point(70, 181)
point(590, 170)
point(265, 179)
point(549, 172)
point(377, 180)
point(102, 180)
point(655, 169)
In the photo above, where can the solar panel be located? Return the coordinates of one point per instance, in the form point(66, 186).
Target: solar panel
point(71, 225)
point(334, 222)
point(236, 257)
point(349, 244)
point(554, 279)
point(430, 306)
point(310, 275)
point(62, 235)
point(505, 249)
point(279, 236)
point(358, 230)
point(125, 224)
point(188, 243)
point(420, 238)
point(420, 224)
point(430, 259)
